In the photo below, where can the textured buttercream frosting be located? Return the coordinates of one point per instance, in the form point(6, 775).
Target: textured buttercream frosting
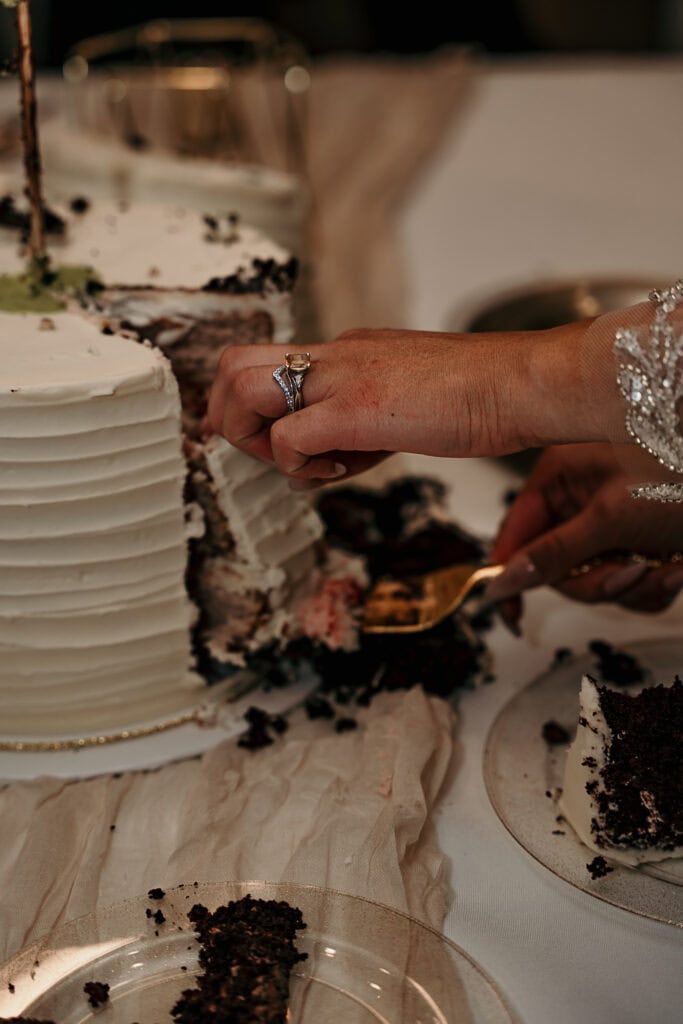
point(94, 616)
point(76, 161)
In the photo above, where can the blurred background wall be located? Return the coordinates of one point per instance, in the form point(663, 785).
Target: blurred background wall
point(334, 26)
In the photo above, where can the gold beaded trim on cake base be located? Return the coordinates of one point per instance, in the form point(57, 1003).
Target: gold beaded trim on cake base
point(81, 742)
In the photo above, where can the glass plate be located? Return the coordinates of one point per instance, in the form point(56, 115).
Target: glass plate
point(366, 963)
point(520, 769)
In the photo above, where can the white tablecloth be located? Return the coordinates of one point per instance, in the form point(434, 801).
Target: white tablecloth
point(571, 168)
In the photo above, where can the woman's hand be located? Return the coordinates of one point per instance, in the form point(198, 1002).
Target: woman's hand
point(575, 508)
point(371, 392)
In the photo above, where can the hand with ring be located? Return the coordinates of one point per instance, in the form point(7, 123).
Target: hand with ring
point(373, 392)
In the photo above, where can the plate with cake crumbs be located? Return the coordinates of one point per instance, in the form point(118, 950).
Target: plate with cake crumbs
point(598, 740)
point(248, 951)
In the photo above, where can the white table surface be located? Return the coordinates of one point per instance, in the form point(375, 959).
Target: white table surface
point(557, 169)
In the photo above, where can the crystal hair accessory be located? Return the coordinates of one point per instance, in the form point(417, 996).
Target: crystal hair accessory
point(650, 377)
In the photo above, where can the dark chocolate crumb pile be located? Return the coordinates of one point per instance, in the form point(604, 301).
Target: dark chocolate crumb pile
point(399, 531)
point(640, 795)
point(11, 217)
point(598, 868)
point(616, 666)
point(262, 725)
point(97, 992)
point(265, 276)
point(247, 954)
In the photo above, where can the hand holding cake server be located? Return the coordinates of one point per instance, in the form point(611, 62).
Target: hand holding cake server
point(612, 432)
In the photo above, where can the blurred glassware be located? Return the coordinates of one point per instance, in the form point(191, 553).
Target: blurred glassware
point(540, 305)
point(225, 88)
point(209, 113)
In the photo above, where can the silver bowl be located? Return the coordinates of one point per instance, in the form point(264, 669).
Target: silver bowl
point(541, 305)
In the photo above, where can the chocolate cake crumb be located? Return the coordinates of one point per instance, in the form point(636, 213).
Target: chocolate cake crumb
point(554, 734)
point(345, 725)
point(318, 707)
point(156, 894)
point(598, 868)
point(559, 832)
point(257, 735)
point(79, 204)
point(97, 992)
point(561, 656)
point(616, 666)
point(159, 917)
point(11, 217)
point(136, 141)
point(11, 988)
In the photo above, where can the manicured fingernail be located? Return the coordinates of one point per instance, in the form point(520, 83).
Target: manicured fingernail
point(339, 470)
point(519, 574)
point(673, 580)
point(624, 578)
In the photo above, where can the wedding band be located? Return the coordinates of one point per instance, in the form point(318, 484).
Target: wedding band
point(290, 377)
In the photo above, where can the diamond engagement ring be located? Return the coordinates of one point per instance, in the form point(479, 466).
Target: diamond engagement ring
point(290, 377)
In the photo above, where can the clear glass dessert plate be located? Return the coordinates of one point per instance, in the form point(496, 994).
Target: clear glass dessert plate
point(366, 963)
point(523, 774)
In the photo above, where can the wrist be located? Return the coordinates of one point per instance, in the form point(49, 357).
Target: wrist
point(572, 389)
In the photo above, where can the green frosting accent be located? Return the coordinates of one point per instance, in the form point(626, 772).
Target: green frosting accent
point(20, 293)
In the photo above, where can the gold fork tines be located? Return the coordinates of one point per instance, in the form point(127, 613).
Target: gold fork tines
point(417, 604)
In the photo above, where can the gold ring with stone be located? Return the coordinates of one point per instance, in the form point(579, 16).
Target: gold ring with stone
point(290, 377)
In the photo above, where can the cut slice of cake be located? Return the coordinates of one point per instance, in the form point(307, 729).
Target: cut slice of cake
point(623, 782)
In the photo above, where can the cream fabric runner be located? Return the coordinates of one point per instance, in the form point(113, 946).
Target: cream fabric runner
point(350, 811)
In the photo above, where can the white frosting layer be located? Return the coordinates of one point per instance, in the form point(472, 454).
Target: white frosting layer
point(163, 246)
point(580, 808)
point(275, 533)
point(94, 617)
point(77, 162)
